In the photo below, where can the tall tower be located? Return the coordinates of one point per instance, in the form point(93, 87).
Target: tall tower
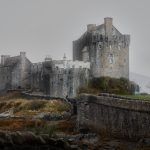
point(107, 50)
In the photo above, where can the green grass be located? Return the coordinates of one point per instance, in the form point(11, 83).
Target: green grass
point(139, 97)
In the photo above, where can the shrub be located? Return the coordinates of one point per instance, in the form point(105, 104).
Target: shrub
point(44, 129)
point(109, 85)
point(35, 105)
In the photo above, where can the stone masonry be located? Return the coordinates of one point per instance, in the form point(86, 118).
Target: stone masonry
point(105, 48)
point(113, 115)
point(101, 51)
point(15, 72)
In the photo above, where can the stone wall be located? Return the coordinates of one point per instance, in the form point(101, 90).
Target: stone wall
point(59, 80)
point(67, 81)
point(105, 48)
point(15, 72)
point(115, 116)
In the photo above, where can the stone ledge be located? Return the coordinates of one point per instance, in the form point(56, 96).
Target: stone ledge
point(117, 102)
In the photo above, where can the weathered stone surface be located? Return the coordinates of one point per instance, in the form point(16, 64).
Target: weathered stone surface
point(105, 48)
point(30, 141)
point(101, 51)
point(115, 116)
point(15, 72)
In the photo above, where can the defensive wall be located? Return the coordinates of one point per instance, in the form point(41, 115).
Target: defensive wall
point(113, 115)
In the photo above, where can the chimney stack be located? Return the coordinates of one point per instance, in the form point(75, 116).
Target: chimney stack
point(108, 22)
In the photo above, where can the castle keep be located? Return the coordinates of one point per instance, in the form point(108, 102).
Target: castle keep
point(101, 51)
point(105, 48)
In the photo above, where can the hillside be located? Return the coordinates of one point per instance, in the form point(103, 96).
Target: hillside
point(142, 81)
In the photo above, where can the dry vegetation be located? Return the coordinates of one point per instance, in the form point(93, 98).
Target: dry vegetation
point(25, 110)
point(24, 107)
point(28, 108)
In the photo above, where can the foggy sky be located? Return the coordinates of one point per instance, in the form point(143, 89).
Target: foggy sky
point(48, 27)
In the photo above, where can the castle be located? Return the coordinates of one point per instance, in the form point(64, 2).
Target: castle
point(105, 48)
point(101, 51)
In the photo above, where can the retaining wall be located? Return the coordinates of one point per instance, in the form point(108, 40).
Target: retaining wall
point(115, 116)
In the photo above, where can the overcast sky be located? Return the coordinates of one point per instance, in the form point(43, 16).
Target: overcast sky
point(48, 27)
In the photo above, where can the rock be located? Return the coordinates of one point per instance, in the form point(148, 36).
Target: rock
point(40, 140)
point(74, 147)
point(52, 116)
point(29, 138)
point(84, 146)
point(45, 137)
point(144, 143)
point(5, 138)
point(17, 138)
point(84, 130)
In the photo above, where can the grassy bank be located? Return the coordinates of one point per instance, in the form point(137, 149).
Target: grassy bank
point(22, 106)
point(139, 97)
point(25, 110)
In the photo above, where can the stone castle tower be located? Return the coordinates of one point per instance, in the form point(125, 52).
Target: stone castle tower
point(105, 48)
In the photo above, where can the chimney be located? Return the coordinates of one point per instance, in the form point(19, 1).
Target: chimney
point(108, 26)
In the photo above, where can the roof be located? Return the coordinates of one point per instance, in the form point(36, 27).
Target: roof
point(12, 61)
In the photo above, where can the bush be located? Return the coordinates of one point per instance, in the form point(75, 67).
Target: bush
point(44, 129)
point(110, 85)
point(35, 105)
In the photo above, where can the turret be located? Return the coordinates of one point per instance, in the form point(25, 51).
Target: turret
point(3, 59)
point(65, 61)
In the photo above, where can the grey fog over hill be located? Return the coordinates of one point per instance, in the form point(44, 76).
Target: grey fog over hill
point(142, 80)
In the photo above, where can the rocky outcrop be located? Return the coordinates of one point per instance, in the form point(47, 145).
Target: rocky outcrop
point(30, 141)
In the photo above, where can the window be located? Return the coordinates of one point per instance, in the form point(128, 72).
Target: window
point(119, 46)
point(110, 47)
point(99, 45)
point(111, 58)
